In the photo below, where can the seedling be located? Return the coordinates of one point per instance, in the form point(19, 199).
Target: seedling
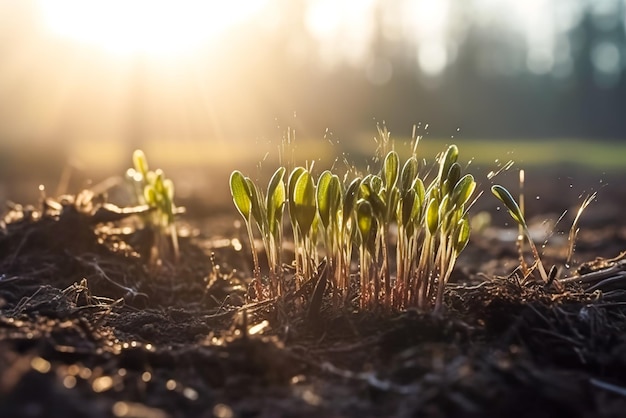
point(242, 197)
point(267, 211)
point(516, 213)
point(302, 213)
point(157, 192)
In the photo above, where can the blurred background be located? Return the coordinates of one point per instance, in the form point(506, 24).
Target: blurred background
point(215, 85)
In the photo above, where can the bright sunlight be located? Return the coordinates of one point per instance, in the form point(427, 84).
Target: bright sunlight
point(153, 27)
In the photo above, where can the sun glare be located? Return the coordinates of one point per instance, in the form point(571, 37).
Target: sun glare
point(155, 27)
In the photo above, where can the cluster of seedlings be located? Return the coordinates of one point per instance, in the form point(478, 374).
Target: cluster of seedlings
point(153, 190)
point(331, 218)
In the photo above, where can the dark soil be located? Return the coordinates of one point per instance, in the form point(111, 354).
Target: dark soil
point(88, 328)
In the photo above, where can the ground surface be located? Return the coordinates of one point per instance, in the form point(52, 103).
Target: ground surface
point(88, 329)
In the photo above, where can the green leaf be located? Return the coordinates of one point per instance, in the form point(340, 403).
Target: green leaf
point(462, 235)
point(276, 187)
point(376, 183)
point(445, 208)
point(168, 185)
point(275, 200)
point(463, 190)
point(420, 191)
point(150, 195)
point(323, 197)
point(242, 196)
point(291, 186)
point(367, 225)
point(378, 205)
point(258, 210)
point(413, 214)
point(505, 197)
point(335, 195)
point(364, 218)
point(364, 187)
point(140, 162)
point(390, 169)
point(158, 183)
point(409, 173)
point(453, 177)
point(449, 158)
point(304, 201)
point(349, 200)
point(328, 197)
point(432, 216)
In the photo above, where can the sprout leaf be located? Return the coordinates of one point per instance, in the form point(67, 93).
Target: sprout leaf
point(242, 197)
point(505, 197)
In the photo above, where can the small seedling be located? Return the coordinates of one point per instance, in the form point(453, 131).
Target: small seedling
point(302, 213)
point(267, 211)
point(242, 197)
point(157, 192)
point(516, 213)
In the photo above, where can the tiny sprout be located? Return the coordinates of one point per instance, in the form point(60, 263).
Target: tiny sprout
point(153, 189)
point(516, 213)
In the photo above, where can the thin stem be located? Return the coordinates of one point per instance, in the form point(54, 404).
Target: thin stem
point(255, 257)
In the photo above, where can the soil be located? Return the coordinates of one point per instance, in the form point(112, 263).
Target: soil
point(90, 328)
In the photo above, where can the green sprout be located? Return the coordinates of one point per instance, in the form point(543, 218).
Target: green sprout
point(302, 213)
point(335, 205)
point(516, 213)
point(157, 192)
point(518, 216)
point(242, 197)
point(267, 212)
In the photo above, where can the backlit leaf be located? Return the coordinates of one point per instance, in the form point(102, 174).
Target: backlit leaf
point(349, 200)
point(453, 177)
point(140, 162)
point(409, 173)
point(241, 194)
point(462, 235)
point(304, 201)
point(432, 216)
point(364, 215)
point(323, 197)
point(258, 210)
point(390, 169)
point(275, 200)
point(449, 158)
point(291, 186)
point(463, 190)
point(420, 191)
point(505, 197)
point(328, 198)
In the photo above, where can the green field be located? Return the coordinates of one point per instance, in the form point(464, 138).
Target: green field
point(107, 156)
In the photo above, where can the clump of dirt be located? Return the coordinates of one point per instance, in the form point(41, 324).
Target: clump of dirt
point(88, 327)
